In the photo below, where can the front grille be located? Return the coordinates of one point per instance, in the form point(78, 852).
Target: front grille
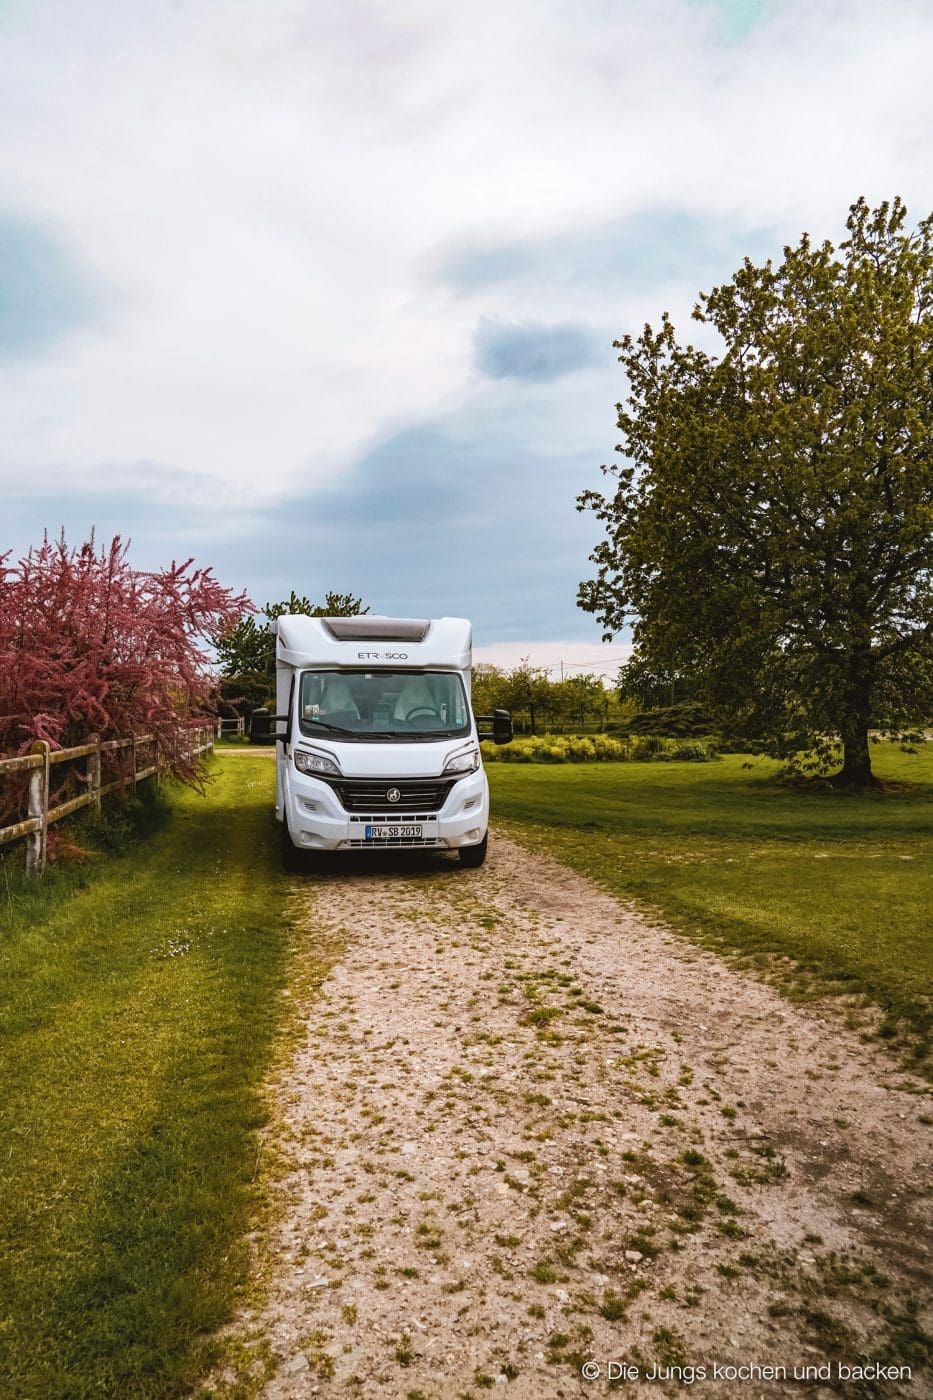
point(416, 795)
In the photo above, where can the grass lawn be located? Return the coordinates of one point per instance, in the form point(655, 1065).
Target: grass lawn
point(724, 854)
point(139, 1005)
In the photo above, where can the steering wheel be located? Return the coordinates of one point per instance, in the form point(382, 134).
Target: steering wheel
point(421, 710)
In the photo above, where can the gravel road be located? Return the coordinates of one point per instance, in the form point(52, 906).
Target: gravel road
point(526, 1130)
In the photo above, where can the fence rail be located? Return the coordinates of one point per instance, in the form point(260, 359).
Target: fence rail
point(230, 726)
point(39, 763)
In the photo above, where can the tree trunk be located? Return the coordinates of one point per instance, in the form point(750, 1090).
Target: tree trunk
point(856, 756)
point(856, 762)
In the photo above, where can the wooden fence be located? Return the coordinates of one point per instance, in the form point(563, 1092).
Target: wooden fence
point(39, 763)
point(230, 726)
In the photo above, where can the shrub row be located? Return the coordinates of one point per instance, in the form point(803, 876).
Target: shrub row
point(600, 748)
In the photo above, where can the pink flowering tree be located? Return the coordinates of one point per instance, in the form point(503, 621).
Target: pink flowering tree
point(89, 645)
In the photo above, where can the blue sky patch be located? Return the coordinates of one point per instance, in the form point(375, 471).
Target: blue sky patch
point(42, 293)
point(737, 18)
point(647, 248)
point(456, 516)
point(534, 351)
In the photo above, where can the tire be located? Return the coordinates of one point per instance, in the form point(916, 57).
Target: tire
point(472, 857)
point(294, 862)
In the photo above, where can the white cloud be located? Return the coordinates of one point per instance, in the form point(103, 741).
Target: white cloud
point(559, 659)
point(262, 185)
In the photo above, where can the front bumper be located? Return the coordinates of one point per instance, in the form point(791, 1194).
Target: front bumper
point(317, 821)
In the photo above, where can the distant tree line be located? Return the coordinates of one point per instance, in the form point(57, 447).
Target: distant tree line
point(539, 703)
point(640, 702)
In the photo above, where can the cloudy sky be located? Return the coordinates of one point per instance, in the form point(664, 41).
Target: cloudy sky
point(324, 291)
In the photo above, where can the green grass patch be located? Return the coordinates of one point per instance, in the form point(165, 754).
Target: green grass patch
point(839, 884)
point(139, 1009)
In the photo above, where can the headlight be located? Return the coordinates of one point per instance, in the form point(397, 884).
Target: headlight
point(463, 762)
point(307, 761)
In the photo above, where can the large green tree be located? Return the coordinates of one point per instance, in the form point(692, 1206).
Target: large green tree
point(770, 528)
point(246, 651)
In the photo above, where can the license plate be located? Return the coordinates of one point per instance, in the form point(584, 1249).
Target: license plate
point(393, 833)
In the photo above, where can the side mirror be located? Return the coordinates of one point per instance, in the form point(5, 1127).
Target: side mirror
point(501, 727)
point(260, 727)
point(501, 731)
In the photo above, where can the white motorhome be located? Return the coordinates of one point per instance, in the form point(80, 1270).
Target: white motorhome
point(380, 748)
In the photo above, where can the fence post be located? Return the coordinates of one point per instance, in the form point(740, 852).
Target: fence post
point(93, 770)
point(135, 763)
point(38, 808)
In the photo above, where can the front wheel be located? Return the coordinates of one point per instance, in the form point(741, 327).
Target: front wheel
point(474, 856)
point(294, 862)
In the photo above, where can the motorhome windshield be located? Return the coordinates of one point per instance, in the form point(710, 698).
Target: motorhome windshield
point(373, 705)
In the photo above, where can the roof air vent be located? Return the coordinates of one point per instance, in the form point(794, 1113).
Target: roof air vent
point(377, 629)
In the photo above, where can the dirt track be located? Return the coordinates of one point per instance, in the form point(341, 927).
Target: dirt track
point(526, 1131)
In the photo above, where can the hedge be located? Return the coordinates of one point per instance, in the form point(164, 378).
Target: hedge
point(600, 748)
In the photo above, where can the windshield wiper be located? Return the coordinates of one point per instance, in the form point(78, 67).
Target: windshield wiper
point(392, 734)
point(362, 734)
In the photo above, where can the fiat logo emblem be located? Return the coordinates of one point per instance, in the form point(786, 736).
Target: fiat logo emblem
point(393, 795)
